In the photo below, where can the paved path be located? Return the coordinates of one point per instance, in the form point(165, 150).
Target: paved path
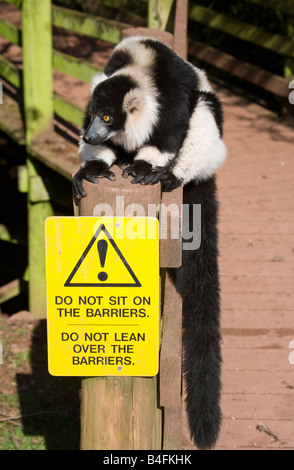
point(256, 193)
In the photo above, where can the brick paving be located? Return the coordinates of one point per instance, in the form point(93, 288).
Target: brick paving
point(256, 227)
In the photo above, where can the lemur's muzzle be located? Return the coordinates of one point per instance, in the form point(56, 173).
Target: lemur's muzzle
point(96, 132)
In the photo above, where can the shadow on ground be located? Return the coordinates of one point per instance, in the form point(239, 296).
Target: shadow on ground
point(50, 406)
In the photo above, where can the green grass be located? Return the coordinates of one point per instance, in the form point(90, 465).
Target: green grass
point(37, 411)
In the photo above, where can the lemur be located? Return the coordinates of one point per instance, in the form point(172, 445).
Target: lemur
point(158, 114)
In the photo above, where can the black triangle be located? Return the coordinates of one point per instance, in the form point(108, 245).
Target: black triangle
point(102, 227)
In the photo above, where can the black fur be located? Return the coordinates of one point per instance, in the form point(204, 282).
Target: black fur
point(117, 61)
point(178, 98)
point(91, 172)
point(215, 106)
point(104, 101)
point(197, 281)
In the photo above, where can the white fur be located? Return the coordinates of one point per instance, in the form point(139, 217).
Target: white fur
point(139, 123)
point(142, 56)
point(96, 152)
point(153, 156)
point(203, 150)
point(98, 78)
point(203, 84)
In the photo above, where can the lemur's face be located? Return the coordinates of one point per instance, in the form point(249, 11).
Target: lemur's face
point(107, 112)
point(101, 126)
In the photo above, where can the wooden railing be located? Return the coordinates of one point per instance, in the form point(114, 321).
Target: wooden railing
point(253, 35)
point(110, 30)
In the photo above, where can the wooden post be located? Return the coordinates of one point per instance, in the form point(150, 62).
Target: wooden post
point(158, 13)
point(38, 111)
point(39, 208)
point(181, 29)
point(37, 67)
point(120, 413)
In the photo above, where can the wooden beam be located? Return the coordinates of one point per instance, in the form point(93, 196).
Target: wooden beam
point(67, 110)
point(74, 67)
point(39, 208)
point(37, 67)
point(11, 121)
point(11, 290)
point(94, 26)
point(58, 154)
point(158, 13)
point(181, 28)
point(171, 367)
point(17, 3)
point(244, 70)
point(10, 72)
point(242, 30)
point(10, 32)
point(283, 6)
point(171, 228)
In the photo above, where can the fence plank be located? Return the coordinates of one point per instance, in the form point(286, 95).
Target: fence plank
point(243, 70)
point(11, 121)
point(17, 3)
point(10, 32)
point(94, 26)
point(242, 30)
point(67, 110)
point(171, 347)
point(283, 6)
point(10, 72)
point(74, 67)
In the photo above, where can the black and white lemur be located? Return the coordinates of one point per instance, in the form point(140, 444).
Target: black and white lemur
point(159, 114)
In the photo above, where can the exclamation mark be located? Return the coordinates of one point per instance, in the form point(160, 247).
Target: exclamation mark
point(102, 250)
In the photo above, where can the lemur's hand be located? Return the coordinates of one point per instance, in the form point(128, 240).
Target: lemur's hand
point(168, 179)
point(144, 173)
point(92, 171)
point(140, 170)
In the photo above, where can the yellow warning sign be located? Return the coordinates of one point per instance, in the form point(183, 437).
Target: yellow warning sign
point(85, 271)
point(102, 277)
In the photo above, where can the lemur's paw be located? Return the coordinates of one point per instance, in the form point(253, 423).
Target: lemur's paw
point(140, 170)
point(168, 179)
point(143, 173)
point(92, 171)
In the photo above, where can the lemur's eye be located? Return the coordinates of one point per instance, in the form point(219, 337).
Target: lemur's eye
point(90, 114)
point(106, 118)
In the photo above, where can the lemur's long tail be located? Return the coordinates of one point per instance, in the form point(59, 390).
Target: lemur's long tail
point(197, 280)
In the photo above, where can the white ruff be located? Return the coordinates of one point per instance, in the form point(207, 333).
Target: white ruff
point(153, 156)
point(96, 152)
point(203, 150)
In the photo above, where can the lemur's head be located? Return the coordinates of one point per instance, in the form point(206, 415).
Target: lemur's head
point(112, 101)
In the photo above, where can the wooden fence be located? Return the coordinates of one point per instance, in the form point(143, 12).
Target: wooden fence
point(254, 36)
point(29, 119)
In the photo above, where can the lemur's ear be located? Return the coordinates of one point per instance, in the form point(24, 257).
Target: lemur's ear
point(133, 100)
